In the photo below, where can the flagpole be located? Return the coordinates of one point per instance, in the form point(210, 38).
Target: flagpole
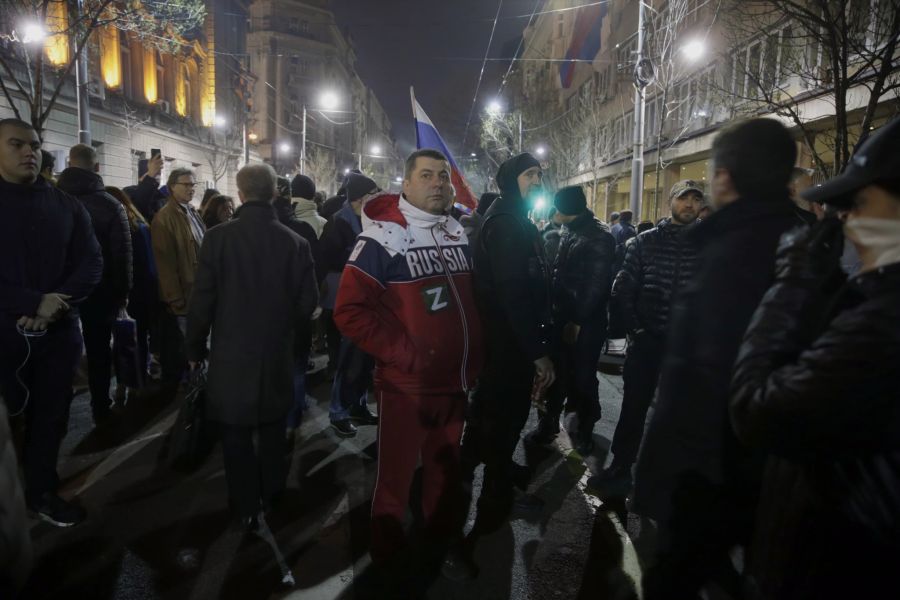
point(412, 98)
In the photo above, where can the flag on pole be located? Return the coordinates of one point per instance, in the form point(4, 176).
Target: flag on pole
point(427, 136)
point(585, 40)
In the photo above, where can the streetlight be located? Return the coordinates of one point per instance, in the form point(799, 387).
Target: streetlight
point(220, 121)
point(252, 136)
point(33, 33)
point(284, 147)
point(346, 170)
point(694, 50)
point(376, 150)
point(495, 108)
point(540, 151)
point(473, 155)
point(329, 100)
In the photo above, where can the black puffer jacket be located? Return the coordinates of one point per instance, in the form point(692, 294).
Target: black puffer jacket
point(657, 264)
point(583, 271)
point(146, 197)
point(111, 229)
point(823, 401)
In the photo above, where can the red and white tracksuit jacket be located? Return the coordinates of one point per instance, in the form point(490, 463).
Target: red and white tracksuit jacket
point(406, 298)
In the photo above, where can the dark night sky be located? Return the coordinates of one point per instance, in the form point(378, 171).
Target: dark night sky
point(406, 42)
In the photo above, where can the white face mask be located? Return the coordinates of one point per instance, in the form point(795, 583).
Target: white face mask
point(879, 237)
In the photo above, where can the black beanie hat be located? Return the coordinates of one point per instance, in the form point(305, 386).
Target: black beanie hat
point(509, 172)
point(484, 203)
point(570, 200)
point(358, 186)
point(303, 187)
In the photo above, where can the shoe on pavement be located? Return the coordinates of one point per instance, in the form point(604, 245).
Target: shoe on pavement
point(585, 443)
point(344, 428)
point(540, 436)
point(56, 511)
point(614, 482)
point(363, 416)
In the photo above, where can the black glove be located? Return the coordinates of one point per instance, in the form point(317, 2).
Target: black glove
point(811, 254)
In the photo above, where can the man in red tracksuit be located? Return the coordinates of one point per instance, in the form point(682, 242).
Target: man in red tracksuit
point(406, 299)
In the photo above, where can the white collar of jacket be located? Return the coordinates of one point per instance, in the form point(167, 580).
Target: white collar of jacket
point(396, 217)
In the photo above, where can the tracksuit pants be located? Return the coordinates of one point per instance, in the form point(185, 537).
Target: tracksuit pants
point(640, 376)
point(411, 427)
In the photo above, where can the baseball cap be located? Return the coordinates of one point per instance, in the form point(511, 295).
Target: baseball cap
point(878, 158)
point(686, 185)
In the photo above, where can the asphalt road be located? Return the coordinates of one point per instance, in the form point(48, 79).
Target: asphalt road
point(155, 533)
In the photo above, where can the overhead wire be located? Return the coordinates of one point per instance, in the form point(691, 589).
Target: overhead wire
point(481, 72)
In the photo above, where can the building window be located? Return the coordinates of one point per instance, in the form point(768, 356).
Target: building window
point(160, 75)
point(126, 64)
point(294, 25)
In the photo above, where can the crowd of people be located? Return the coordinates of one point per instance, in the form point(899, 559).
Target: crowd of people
point(765, 363)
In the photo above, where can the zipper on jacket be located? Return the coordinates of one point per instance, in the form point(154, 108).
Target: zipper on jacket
point(462, 312)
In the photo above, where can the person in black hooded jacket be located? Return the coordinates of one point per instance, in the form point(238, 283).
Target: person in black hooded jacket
point(512, 288)
point(99, 311)
point(582, 276)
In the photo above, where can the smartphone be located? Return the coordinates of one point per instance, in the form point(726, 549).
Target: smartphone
point(155, 152)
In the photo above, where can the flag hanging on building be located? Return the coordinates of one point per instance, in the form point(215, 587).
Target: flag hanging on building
point(427, 136)
point(585, 40)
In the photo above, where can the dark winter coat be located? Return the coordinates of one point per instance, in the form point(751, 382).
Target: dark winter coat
point(339, 237)
point(689, 438)
point(111, 228)
point(47, 245)
point(658, 263)
point(254, 287)
point(146, 197)
point(582, 274)
point(512, 279)
point(623, 232)
point(823, 401)
point(287, 217)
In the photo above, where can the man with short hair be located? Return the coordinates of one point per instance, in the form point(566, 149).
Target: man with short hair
point(693, 476)
point(582, 276)
point(255, 288)
point(623, 230)
point(406, 299)
point(100, 309)
point(49, 263)
point(512, 286)
point(177, 232)
point(658, 263)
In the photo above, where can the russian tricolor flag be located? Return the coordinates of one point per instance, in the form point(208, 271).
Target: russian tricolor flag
point(427, 136)
point(585, 40)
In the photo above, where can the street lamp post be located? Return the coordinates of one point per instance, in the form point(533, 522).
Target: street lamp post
point(642, 79)
point(329, 102)
point(81, 91)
